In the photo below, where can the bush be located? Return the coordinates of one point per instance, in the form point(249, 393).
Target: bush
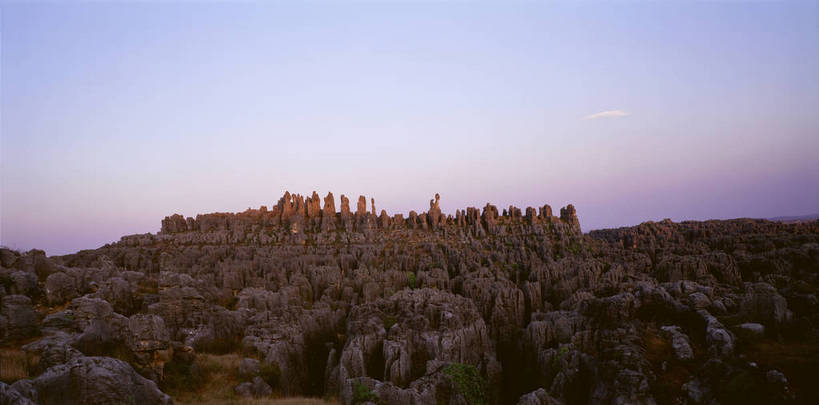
point(362, 393)
point(561, 354)
point(271, 374)
point(468, 382)
point(389, 321)
point(411, 277)
point(184, 376)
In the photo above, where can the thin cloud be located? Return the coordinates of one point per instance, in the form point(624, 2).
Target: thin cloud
point(607, 114)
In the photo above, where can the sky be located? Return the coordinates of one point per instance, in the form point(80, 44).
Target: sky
point(116, 114)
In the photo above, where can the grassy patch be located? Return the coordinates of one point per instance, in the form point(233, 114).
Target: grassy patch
point(208, 377)
point(13, 365)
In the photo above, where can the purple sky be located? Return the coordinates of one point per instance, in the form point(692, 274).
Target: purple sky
point(115, 115)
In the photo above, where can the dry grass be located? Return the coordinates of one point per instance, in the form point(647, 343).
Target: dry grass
point(221, 376)
point(13, 365)
point(214, 380)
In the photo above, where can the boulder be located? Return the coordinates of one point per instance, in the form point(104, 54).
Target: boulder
point(60, 287)
point(96, 380)
point(249, 368)
point(10, 396)
point(24, 283)
point(149, 342)
point(538, 397)
point(20, 318)
point(751, 330)
point(762, 303)
point(256, 388)
point(51, 351)
point(679, 342)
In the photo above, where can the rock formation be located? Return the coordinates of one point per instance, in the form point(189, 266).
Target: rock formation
point(483, 306)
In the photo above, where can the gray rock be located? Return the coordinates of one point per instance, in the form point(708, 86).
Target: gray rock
point(8, 257)
point(10, 396)
point(20, 317)
point(51, 351)
point(24, 283)
point(720, 341)
point(257, 388)
point(96, 380)
point(538, 397)
point(751, 330)
point(147, 333)
point(679, 342)
point(60, 287)
point(86, 309)
point(695, 391)
point(249, 367)
point(97, 339)
point(149, 342)
point(764, 304)
point(62, 321)
point(117, 291)
point(699, 300)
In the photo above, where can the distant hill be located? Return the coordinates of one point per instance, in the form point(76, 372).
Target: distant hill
point(798, 218)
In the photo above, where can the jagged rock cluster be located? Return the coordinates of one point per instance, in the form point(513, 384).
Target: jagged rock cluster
point(486, 306)
point(300, 215)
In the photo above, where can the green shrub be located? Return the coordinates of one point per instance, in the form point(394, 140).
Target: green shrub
point(468, 382)
point(389, 321)
point(271, 374)
point(411, 277)
point(561, 354)
point(362, 393)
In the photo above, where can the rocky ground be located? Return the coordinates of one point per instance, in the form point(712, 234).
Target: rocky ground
point(484, 307)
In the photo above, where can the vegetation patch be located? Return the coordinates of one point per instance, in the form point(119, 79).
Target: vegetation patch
point(271, 374)
point(184, 376)
point(468, 382)
point(362, 394)
point(562, 352)
point(389, 321)
point(207, 377)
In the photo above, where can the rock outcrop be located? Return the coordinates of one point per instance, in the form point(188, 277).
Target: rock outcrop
point(94, 380)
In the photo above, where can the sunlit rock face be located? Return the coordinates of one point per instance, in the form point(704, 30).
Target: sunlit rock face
point(483, 305)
